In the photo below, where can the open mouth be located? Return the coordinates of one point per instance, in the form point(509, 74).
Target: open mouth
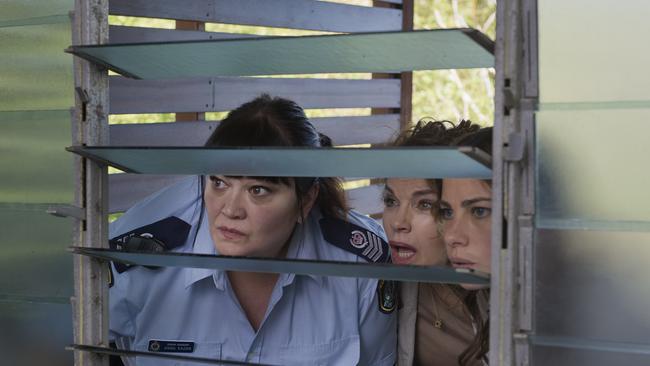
point(402, 253)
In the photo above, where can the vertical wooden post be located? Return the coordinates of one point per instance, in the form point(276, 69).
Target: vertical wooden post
point(406, 103)
point(190, 25)
point(513, 181)
point(90, 127)
point(406, 95)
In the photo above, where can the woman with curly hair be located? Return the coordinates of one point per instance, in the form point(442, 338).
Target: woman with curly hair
point(438, 323)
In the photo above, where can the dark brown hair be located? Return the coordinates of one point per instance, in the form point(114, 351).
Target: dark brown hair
point(267, 121)
point(428, 132)
point(478, 349)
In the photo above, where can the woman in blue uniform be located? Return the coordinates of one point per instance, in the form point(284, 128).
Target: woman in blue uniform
point(265, 318)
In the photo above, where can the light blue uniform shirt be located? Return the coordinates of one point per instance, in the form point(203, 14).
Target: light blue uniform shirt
point(311, 320)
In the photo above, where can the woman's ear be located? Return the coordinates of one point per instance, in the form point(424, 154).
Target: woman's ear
point(308, 201)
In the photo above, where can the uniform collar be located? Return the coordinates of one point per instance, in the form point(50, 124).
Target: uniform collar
point(203, 245)
point(302, 246)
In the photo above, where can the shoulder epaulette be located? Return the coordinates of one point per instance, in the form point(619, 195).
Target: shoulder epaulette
point(355, 239)
point(160, 236)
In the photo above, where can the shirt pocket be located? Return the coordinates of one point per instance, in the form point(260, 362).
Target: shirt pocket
point(211, 350)
point(344, 351)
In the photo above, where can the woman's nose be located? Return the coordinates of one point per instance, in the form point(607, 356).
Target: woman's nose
point(402, 220)
point(454, 233)
point(233, 207)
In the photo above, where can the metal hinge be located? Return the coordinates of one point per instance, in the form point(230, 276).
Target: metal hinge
point(525, 271)
point(515, 147)
point(522, 349)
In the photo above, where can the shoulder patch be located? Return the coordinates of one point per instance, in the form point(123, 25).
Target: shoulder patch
point(387, 296)
point(355, 239)
point(162, 235)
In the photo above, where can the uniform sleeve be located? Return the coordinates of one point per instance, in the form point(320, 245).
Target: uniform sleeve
point(121, 329)
point(378, 330)
point(119, 314)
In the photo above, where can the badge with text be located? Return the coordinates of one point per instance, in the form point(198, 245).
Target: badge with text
point(171, 346)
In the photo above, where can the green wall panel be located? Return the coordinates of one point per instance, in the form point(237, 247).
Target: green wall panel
point(28, 9)
point(35, 72)
point(34, 166)
point(582, 275)
point(33, 257)
point(594, 51)
point(35, 334)
point(592, 165)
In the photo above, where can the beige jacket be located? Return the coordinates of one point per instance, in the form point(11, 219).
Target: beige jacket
point(406, 318)
point(456, 339)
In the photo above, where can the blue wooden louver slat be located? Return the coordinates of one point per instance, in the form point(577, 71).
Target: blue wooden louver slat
point(436, 162)
point(157, 355)
point(384, 271)
point(360, 52)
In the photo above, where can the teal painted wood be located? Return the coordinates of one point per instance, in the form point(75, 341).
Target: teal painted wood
point(225, 93)
point(296, 14)
point(124, 34)
point(353, 130)
point(436, 162)
point(191, 360)
point(364, 52)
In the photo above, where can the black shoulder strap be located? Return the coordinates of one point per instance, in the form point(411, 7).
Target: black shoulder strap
point(355, 239)
point(160, 236)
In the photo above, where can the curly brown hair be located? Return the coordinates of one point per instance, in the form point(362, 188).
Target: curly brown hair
point(429, 132)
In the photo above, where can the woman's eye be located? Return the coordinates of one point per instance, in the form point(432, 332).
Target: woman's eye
point(216, 182)
point(389, 201)
point(445, 213)
point(481, 212)
point(259, 191)
point(425, 205)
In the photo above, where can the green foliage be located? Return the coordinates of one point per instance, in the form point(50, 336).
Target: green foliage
point(455, 94)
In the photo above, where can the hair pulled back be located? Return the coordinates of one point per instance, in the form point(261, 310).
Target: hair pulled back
point(267, 121)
